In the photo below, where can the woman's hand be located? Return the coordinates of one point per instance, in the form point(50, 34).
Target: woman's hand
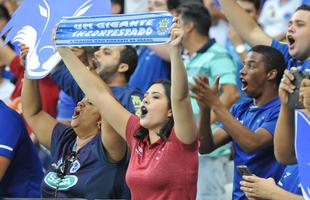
point(258, 188)
point(23, 54)
point(176, 33)
point(54, 33)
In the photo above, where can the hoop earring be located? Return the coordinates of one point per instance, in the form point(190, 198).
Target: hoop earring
point(99, 125)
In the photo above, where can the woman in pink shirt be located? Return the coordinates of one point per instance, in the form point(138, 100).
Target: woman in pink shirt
point(163, 141)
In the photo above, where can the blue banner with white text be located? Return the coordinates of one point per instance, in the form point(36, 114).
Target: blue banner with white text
point(127, 29)
point(302, 145)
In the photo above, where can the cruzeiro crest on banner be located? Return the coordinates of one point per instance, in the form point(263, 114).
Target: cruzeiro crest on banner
point(163, 27)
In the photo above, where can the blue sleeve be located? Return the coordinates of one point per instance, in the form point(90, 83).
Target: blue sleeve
point(65, 81)
point(270, 121)
point(283, 48)
point(10, 134)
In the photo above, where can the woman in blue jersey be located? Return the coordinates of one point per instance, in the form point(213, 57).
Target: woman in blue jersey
point(84, 165)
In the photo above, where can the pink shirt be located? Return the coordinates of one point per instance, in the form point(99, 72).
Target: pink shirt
point(162, 170)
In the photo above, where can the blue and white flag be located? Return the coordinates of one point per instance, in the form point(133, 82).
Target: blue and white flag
point(32, 24)
point(128, 29)
point(302, 148)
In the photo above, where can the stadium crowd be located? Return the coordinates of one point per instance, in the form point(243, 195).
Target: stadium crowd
point(207, 116)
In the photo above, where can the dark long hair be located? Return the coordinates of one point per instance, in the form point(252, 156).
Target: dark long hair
point(165, 131)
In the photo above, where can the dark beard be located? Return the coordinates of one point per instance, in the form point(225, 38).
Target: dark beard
point(107, 73)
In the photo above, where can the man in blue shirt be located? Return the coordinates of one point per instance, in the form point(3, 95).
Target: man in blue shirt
point(296, 53)
point(20, 168)
point(285, 134)
point(251, 124)
point(114, 65)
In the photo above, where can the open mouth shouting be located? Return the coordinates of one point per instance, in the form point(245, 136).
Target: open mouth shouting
point(144, 111)
point(76, 113)
point(244, 84)
point(291, 41)
point(95, 64)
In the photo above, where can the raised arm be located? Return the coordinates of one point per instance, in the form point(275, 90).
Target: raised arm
point(97, 91)
point(185, 127)
point(42, 124)
point(62, 77)
point(284, 139)
point(246, 27)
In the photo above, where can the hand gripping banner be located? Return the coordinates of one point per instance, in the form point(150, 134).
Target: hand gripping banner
point(302, 149)
point(128, 29)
